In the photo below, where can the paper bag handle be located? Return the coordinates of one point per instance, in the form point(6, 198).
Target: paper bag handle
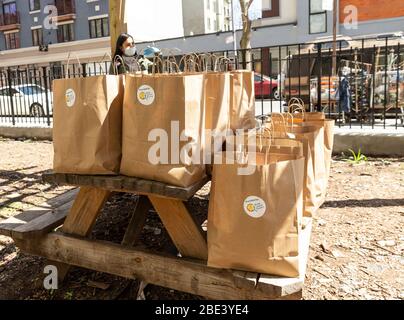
point(169, 63)
point(115, 67)
point(102, 60)
point(68, 62)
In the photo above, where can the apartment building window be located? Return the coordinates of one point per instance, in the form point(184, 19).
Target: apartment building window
point(10, 13)
point(12, 40)
point(34, 5)
point(270, 8)
point(65, 7)
point(37, 37)
point(99, 28)
point(318, 17)
point(208, 4)
point(65, 32)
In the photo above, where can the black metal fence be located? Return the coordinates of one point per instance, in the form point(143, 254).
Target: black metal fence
point(365, 90)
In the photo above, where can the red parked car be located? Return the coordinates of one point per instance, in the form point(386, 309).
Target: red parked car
point(265, 87)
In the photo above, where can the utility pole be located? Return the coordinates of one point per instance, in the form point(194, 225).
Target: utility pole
point(334, 43)
point(117, 20)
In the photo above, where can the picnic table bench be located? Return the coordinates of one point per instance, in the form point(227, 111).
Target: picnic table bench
point(74, 213)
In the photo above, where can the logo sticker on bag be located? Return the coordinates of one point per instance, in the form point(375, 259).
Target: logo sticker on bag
point(255, 207)
point(70, 97)
point(146, 95)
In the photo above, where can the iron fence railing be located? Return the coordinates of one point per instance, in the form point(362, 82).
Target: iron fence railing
point(367, 89)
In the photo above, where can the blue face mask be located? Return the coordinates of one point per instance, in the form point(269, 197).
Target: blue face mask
point(130, 51)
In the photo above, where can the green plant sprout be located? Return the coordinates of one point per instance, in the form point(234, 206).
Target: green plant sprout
point(357, 158)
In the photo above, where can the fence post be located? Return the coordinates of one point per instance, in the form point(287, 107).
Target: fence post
point(45, 81)
point(10, 87)
point(84, 67)
point(319, 76)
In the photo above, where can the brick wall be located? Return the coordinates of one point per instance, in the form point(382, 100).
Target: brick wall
point(374, 9)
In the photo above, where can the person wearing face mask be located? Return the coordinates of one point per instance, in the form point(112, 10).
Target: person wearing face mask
point(125, 56)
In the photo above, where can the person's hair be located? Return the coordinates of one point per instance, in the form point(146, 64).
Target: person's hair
point(121, 39)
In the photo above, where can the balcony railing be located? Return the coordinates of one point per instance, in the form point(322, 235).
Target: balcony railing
point(9, 19)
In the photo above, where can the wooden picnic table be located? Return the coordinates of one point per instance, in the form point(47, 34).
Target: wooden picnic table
point(76, 211)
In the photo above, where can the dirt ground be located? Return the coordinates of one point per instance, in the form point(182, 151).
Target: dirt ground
point(356, 249)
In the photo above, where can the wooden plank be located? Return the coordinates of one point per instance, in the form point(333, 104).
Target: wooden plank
point(137, 221)
point(176, 273)
point(125, 184)
point(248, 279)
point(85, 210)
point(43, 224)
point(82, 216)
point(182, 228)
point(8, 226)
point(292, 285)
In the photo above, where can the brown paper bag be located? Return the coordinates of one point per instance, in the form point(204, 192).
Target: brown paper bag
point(307, 116)
point(158, 104)
point(317, 119)
point(254, 221)
point(242, 114)
point(328, 127)
point(311, 138)
point(315, 136)
point(217, 100)
point(217, 112)
point(87, 129)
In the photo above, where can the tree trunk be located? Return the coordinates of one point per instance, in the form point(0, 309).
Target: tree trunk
point(245, 42)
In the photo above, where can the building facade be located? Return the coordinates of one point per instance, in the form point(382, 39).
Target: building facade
point(311, 20)
point(286, 22)
point(82, 26)
point(43, 31)
point(206, 16)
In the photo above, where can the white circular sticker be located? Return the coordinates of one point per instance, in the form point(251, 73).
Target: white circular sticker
point(70, 97)
point(255, 207)
point(146, 95)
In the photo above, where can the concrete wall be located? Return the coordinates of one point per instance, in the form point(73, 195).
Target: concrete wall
point(371, 144)
point(37, 133)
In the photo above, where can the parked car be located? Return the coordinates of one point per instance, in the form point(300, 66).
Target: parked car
point(265, 87)
point(27, 100)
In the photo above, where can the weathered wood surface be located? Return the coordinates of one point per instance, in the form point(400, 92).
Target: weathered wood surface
point(125, 184)
point(181, 274)
point(82, 216)
point(39, 220)
point(137, 221)
point(186, 234)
